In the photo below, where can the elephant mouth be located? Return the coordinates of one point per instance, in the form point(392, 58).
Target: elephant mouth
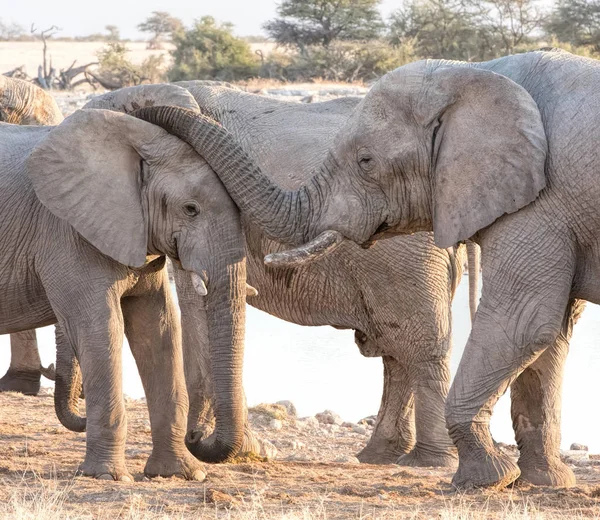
point(379, 232)
point(360, 337)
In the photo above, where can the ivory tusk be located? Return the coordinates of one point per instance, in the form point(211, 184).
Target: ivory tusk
point(199, 285)
point(318, 247)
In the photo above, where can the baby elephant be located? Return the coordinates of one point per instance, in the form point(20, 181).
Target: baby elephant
point(88, 211)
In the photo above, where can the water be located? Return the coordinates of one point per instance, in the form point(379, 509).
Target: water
point(320, 368)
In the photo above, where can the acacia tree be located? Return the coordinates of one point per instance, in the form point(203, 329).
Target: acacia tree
point(576, 22)
point(303, 23)
point(160, 24)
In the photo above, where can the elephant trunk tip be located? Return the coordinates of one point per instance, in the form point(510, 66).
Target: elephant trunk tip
point(212, 449)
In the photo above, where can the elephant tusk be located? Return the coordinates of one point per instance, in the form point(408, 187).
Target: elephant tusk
point(199, 285)
point(250, 291)
point(318, 247)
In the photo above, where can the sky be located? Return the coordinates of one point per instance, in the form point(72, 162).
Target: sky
point(77, 18)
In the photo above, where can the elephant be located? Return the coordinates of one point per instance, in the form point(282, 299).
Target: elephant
point(409, 328)
point(90, 210)
point(23, 103)
point(500, 152)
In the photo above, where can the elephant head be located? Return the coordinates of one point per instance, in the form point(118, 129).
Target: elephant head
point(433, 146)
point(131, 190)
point(23, 103)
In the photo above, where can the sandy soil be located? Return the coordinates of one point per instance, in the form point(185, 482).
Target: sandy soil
point(39, 458)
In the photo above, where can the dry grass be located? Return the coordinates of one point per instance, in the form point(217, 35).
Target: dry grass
point(39, 458)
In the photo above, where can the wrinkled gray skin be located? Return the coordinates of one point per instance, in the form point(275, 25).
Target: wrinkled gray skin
point(503, 152)
point(23, 103)
point(396, 295)
point(106, 196)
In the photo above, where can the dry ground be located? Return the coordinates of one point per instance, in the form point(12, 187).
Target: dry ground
point(38, 460)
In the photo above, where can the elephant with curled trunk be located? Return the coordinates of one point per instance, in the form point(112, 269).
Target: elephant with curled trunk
point(502, 152)
point(23, 103)
point(89, 210)
point(401, 313)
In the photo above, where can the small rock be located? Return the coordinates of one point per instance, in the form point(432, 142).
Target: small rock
point(146, 426)
point(578, 447)
point(329, 417)
point(214, 496)
point(576, 457)
point(267, 449)
point(347, 459)
point(361, 430)
point(308, 422)
point(369, 421)
point(275, 424)
point(347, 424)
point(289, 406)
point(299, 457)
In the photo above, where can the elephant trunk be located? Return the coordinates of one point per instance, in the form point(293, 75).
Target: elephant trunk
point(473, 260)
point(226, 307)
point(68, 384)
point(286, 216)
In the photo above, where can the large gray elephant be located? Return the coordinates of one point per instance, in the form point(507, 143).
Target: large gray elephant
point(402, 313)
point(96, 202)
point(501, 152)
point(23, 103)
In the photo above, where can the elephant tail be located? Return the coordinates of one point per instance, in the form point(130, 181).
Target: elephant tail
point(474, 263)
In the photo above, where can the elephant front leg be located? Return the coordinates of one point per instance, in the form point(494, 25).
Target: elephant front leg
point(394, 433)
point(536, 411)
point(99, 340)
point(24, 372)
point(154, 334)
point(433, 447)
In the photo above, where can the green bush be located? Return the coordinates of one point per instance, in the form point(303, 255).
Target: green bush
point(210, 51)
point(116, 71)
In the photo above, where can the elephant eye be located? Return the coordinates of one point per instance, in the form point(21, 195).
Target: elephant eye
point(366, 163)
point(191, 209)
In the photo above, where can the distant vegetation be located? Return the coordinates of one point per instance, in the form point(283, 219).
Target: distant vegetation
point(343, 40)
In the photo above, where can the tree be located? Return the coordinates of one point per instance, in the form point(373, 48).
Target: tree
point(303, 23)
point(160, 24)
point(511, 21)
point(210, 51)
point(10, 31)
point(437, 29)
point(114, 34)
point(576, 22)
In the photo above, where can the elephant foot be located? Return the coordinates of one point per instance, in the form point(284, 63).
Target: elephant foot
point(105, 471)
point(480, 464)
point(184, 466)
point(554, 473)
point(379, 453)
point(27, 383)
point(419, 457)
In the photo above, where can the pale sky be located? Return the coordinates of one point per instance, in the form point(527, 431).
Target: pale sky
point(79, 18)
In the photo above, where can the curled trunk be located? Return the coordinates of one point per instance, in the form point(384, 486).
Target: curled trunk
point(68, 384)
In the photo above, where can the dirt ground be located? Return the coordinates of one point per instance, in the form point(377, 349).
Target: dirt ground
point(39, 459)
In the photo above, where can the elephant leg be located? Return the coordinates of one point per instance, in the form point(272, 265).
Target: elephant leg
point(154, 334)
point(394, 432)
point(196, 360)
point(536, 411)
point(24, 372)
point(98, 339)
point(433, 447)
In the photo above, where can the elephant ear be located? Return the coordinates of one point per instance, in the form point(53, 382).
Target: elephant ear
point(87, 171)
point(489, 153)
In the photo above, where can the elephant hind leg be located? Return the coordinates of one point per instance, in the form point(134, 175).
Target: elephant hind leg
point(394, 433)
point(536, 411)
point(24, 372)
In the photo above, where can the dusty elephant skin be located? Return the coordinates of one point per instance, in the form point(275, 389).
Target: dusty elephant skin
point(118, 173)
point(400, 310)
point(22, 103)
point(502, 152)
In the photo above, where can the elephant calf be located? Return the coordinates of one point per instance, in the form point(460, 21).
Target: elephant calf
point(88, 211)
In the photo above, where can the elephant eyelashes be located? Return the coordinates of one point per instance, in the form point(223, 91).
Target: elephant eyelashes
point(191, 209)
